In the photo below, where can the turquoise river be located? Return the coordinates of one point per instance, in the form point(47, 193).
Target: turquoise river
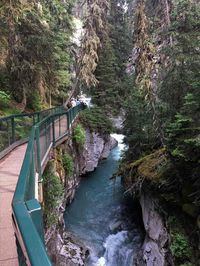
point(103, 217)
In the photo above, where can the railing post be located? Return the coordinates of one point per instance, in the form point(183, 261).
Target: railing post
point(13, 129)
point(45, 132)
point(53, 128)
point(32, 174)
point(70, 114)
point(38, 117)
point(67, 120)
point(38, 152)
point(35, 212)
point(59, 126)
point(35, 119)
point(73, 114)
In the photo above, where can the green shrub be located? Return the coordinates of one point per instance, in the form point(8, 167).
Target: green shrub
point(53, 191)
point(68, 164)
point(4, 97)
point(79, 135)
point(96, 120)
point(180, 244)
point(34, 101)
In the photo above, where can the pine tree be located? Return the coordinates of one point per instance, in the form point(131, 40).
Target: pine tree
point(37, 74)
point(138, 128)
point(113, 85)
point(183, 70)
point(95, 27)
point(105, 94)
point(121, 36)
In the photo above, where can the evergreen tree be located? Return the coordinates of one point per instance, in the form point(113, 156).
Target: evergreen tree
point(37, 74)
point(138, 128)
point(120, 36)
point(183, 69)
point(95, 27)
point(183, 133)
point(113, 86)
point(105, 94)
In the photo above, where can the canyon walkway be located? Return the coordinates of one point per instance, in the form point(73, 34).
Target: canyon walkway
point(46, 134)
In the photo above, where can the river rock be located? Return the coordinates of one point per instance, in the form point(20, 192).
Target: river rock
point(65, 249)
point(114, 226)
point(96, 147)
point(108, 146)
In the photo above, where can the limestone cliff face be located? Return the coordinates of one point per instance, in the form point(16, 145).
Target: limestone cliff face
point(65, 248)
point(155, 247)
point(95, 149)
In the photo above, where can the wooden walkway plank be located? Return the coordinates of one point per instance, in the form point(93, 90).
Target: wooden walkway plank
point(9, 172)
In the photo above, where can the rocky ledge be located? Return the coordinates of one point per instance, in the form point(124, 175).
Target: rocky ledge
point(66, 249)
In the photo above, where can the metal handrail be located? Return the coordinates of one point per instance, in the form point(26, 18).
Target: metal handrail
point(27, 212)
point(50, 111)
point(12, 126)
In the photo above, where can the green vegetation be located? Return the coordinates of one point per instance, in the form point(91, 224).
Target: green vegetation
point(163, 112)
point(8, 110)
point(68, 164)
point(7, 106)
point(95, 28)
point(23, 127)
point(96, 120)
point(180, 245)
point(35, 51)
point(53, 191)
point(113, 83)
point(150, 166)
point(36, 102)
point(4, 97)
point(79, 135)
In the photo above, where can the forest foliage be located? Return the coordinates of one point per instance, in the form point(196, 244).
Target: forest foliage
point(163, 109)
point(35, 51)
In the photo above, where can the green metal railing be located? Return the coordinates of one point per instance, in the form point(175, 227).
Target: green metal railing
point(27, 212)
point(15, 128)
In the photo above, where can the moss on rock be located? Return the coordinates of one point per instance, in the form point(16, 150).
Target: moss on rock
point(150, 166)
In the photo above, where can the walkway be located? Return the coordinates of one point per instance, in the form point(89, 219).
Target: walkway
point(10, 167)
point(9, 172)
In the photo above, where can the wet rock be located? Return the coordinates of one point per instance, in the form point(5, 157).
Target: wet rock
point(115, 226)
point(65, 249)
point(108, 146)
point(96, 147)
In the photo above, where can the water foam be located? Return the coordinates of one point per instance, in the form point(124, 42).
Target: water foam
point(118, 250)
